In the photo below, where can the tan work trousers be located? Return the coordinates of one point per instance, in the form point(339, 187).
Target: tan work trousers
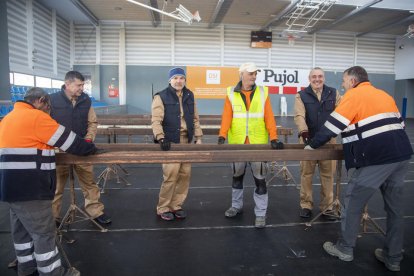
point(307, 170)
point(89, 188)
point(174, 188)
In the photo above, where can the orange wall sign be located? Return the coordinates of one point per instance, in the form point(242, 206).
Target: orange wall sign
point(211, 82)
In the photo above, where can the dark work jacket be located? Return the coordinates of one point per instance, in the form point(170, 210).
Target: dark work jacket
point(72, 117)
point(317, 112)
point(172, 118)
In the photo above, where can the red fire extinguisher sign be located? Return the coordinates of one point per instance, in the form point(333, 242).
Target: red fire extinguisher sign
point(113, 92)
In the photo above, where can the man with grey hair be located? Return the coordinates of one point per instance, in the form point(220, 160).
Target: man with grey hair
point(175, 119)
point(377, 152)
point(312, 107)
point(28, 136)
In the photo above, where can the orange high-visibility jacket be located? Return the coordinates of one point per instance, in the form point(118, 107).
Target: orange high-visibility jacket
point(372, 130)
point(27, 156)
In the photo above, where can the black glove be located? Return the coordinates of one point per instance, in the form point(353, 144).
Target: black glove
point(221, 140)
point(276, 144)
point(99, 151)
point(305, 137)
point(164, 144)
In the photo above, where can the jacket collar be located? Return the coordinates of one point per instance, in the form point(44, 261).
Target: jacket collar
point(238, 87)
point(362, 83)
point(24, 104)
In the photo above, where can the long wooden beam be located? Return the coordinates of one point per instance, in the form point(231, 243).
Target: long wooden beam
point(135, 119)
point(207, 153)
point(147, 130)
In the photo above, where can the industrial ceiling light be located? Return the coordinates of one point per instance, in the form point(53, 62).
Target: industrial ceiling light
point(180, 12)
point(304, 17)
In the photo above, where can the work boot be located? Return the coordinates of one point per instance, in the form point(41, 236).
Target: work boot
point(333, 250)
point(260, 222)
point(180, 214)
point(232, 212)
point(379, 254)
point(305, 213)
point(168, 216)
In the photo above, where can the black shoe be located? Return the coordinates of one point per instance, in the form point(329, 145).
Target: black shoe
point(103, 219)
point(168, 216)
point(305, 213)
point(180, 214)
point(329, 215)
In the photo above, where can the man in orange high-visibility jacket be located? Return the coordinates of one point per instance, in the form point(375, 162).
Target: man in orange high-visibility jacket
point(28, 136)
point(377, 151)
point(248, 119)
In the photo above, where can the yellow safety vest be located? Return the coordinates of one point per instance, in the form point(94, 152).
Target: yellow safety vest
point(248, 123)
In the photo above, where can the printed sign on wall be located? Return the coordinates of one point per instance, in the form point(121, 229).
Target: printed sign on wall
point(283, 81)
point(212, 82)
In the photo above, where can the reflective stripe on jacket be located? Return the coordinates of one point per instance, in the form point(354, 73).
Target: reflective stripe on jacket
point(248, 123)
point(27, 157)
point(373, 132)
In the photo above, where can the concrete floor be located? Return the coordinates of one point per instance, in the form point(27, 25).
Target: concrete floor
point(207, 243)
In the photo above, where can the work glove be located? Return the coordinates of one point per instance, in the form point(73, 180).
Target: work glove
point(308, 147)
point(164, 144)
point(276, 144)
point(99, 151)
point(221, 140)
point(305, 137)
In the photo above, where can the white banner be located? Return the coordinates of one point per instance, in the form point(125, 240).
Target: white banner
point(283, 81)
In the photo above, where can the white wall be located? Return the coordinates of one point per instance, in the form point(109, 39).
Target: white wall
point(404, 58)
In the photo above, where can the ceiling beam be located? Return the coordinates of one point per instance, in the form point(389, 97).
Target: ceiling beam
point(388, 25)
point(83, 9)
point(346, 16)
point(156, 19)
point(280, 15)
point(219, 12)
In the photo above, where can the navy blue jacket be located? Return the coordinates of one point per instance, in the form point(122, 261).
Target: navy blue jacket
point(172, 118)
point(72, 117)
point(317, 112)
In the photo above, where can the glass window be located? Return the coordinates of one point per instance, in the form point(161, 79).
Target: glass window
point(57, 83)
point(23, 79)
point(43, 82)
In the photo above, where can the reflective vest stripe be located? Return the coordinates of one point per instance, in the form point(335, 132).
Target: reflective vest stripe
point(48, 152)
point(381, 129)
point(333, 128)
point(48, 166)
point(378, 117)
point(49, 268)
point(18, 151)
point(46, 256)
point(23, 246)
point(350, 139)
point(17, 165)
point(340, 118)
point(55, 137)
point(69, 141)
point(25, 259)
